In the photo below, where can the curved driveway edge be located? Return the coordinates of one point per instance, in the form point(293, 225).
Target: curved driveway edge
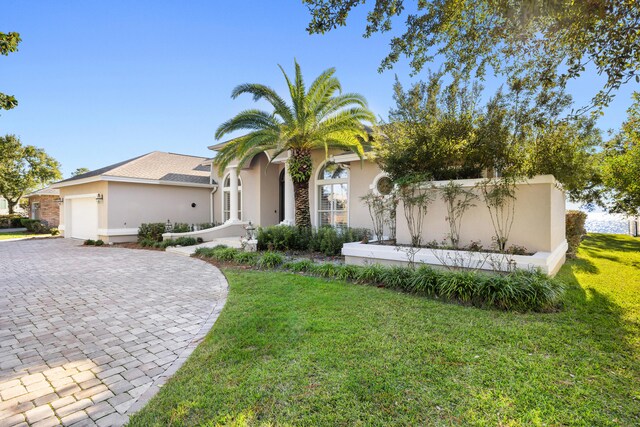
point(88, 335)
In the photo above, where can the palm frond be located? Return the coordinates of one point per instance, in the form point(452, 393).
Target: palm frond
point(248, 119)
point(322, 88)
point(259, 92)
point(336, 103)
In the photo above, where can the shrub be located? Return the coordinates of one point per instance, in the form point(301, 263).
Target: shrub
point(152, 231)
point(327, 240)
point(204, 252)
point(146, 243)
point(205, 225)
point(516, 250)
point(457, 285)
point(284, 238)
point(330, 242)
point(99, 242)
point(180, 227)
point(300, 266)
point(11, 221)
point(372, 273)
point(185, 241)
point(89, 242)
point(574, 223)
point(199, 240)
point(397, 277)
point(180, 241)
point(346, 272)
point(225, 254)
point(325, 269)
point(424, 281)
point(270, 260)
point(246, 258)
point(54, 231)
point(34, 226)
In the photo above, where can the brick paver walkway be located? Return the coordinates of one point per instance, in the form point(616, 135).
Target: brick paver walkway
point(87, 335)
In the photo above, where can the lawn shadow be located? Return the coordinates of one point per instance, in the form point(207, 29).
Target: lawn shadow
point(610, 242)
point(597, 317)
point(582, 265)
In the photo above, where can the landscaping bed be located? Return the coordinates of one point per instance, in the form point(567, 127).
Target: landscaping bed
point(520, 290)
point(289, 349)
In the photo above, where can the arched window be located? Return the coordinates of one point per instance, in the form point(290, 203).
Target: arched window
point(333, 195)
point(226, 198)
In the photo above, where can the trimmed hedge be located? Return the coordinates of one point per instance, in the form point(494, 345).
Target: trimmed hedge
point(519, 291)
point(327, 240)
point(11, 221)
point(151, 231)
point(35, 226)
point(574, 223)
point(180, 241)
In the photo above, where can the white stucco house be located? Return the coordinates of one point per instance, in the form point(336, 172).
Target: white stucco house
point(110, 203)
point(261, 192)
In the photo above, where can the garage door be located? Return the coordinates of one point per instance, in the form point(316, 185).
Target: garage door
point(84, 218)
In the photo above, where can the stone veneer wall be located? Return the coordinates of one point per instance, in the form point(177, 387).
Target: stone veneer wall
point(49, 210)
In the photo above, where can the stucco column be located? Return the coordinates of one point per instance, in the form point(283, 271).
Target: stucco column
point(289, 199)
point(233, 194)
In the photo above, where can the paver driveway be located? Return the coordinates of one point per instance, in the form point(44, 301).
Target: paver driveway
point(88, 334)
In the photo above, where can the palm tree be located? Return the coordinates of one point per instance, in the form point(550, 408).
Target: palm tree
point(319, 118)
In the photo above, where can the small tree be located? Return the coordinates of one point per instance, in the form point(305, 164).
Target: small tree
point(375, 203)
point(416, 198)
point(23, 168)
point(499, 195)
point(458, 201)
point(391, 208)
point(382, 210)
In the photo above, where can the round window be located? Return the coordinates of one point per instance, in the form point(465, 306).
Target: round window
point(384, 185)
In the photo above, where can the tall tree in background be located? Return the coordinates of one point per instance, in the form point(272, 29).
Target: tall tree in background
point(8, 43)
point(23, 168)
point(550, 42)
point(621, 164)
point(320, 117)
point(441, 133)
point(80, 171)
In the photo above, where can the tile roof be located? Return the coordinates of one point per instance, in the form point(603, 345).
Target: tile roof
point(156, 165)
point(46, 191)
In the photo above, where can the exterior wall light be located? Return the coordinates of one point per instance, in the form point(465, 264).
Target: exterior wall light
point(59, 200)
point(99, 198)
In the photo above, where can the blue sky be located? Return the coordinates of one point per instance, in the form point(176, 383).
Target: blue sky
point(100, 82)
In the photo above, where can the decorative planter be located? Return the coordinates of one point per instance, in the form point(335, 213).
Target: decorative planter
point(370, 253)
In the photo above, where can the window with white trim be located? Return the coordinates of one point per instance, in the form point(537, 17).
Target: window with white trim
point(226, 198)
point(333, 195)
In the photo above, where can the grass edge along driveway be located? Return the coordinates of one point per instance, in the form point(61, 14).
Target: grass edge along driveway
point(295, 350)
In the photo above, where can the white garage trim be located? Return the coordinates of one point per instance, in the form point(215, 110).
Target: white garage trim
point(81, 196)
point(117, 231)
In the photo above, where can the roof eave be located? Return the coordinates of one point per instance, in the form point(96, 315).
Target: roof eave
point(124, 179)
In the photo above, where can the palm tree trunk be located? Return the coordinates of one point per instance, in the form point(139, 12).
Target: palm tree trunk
point(300, 167)
point(301, 193)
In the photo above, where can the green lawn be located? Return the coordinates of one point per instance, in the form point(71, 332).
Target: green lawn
point(19, 235)
point(294, 350)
